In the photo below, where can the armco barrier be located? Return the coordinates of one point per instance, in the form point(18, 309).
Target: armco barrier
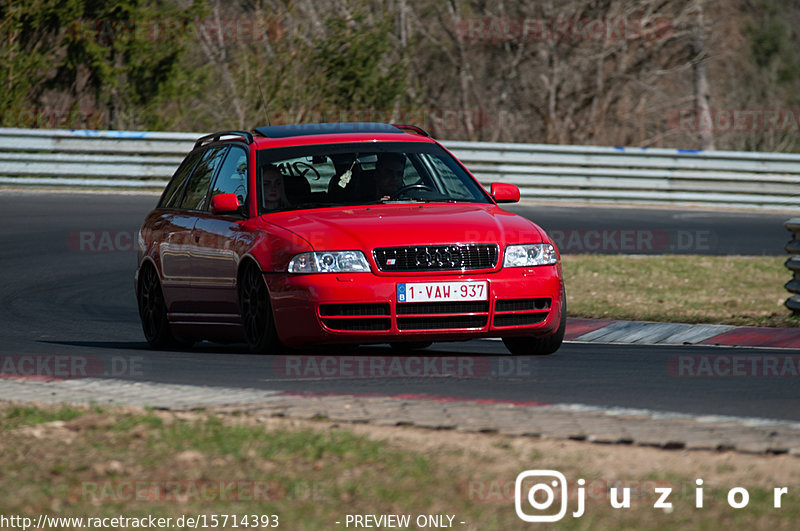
point(146, 160)
point(638, 175)
point(91, 159)
point(793, 263)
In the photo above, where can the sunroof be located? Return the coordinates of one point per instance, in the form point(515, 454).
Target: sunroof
point(282, 131)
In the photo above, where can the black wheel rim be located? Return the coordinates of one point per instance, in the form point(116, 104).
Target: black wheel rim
point(255, 306)
point(151, 303)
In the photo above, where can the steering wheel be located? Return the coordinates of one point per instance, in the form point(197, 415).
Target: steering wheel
point(306, 167)
point(415, 186)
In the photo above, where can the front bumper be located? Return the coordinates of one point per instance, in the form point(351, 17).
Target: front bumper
point(363, 307)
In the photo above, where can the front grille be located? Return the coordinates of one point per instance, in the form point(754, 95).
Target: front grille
point(353, 317)
point(442, 315)
point(436, 257)
point(519, 319)
point(348, 310)
point(412, 308)
point(441, 323)
point(358, 324)
point(521, 305)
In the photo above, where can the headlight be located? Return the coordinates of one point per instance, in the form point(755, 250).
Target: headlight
point(329, 262)
point(534, 254)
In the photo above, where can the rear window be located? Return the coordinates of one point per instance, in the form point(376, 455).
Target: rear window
point(197, 188)
point(173, 193)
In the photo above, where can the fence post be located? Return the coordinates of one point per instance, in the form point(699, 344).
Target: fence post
point(793, 264)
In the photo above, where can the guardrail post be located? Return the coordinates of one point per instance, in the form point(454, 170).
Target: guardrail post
point(793, 264)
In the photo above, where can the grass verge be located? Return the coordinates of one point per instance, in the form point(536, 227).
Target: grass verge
point(312, 474)
point(736, 290)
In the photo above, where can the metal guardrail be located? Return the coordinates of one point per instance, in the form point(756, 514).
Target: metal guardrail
point(146, 160)
point(793, 264)
point(638, 175)
point(91, 159)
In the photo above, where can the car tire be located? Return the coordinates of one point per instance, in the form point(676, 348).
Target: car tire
point(153, 310)
point(256, 312)
point(540, 346)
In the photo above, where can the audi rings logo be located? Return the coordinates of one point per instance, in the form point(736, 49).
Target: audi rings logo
point(438, 258)
point(423, 258)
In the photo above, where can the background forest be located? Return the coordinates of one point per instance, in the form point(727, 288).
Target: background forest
point(651, 73)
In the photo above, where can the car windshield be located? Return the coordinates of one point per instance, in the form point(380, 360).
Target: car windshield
point(361, 174)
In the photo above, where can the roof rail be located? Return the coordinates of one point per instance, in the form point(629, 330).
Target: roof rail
point(213, 137)
point(413, 129)
point(304, 129)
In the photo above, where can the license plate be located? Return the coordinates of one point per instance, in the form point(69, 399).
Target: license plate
point(443, 291)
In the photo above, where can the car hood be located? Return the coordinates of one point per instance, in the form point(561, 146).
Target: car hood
point(368, 227)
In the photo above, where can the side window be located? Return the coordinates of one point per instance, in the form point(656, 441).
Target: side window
point(411, 175)
point(232, 176)
point(452, 183)
point(199, 182)
point(171, 197)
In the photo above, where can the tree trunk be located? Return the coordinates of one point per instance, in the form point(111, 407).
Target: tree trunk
point(702, 94)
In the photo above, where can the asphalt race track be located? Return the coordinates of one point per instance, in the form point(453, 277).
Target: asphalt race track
point(62, 295)
point(635, 230)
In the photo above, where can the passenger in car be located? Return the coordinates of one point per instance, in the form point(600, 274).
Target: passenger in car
point(273, 195)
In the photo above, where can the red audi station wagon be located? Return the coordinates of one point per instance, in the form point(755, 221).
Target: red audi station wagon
point(348, 233)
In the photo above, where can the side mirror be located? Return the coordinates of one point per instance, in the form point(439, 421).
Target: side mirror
point(225, 204)
point(505, 193)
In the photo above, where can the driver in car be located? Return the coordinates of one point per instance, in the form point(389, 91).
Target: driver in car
point(389, 174)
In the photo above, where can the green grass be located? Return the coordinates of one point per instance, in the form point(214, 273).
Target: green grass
point(737, 290)
point(312, 477)
point(17, 416)
point(292, 470)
